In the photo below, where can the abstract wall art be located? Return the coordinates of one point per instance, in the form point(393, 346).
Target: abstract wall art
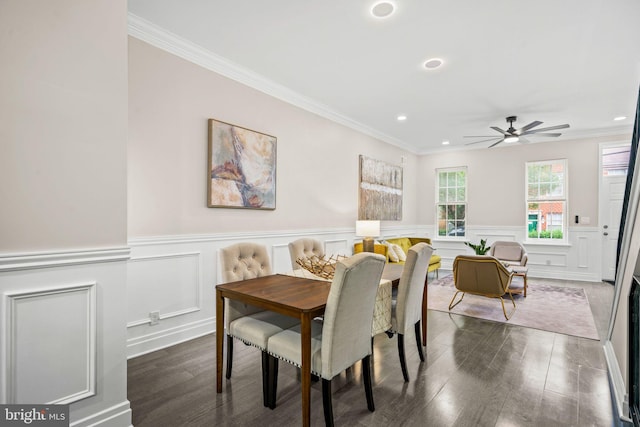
point(242, 168)
point(380, 191)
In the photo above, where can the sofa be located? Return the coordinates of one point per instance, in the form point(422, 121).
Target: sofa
point(405, 243)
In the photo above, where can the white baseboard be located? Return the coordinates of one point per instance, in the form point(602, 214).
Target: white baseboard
point(116, 416)
point(619, 392)
point(169, 337)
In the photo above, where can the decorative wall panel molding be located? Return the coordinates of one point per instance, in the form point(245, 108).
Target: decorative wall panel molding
point(169, 284)
point(59, 321)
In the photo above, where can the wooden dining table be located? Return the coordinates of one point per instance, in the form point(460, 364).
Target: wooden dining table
point(290, 295)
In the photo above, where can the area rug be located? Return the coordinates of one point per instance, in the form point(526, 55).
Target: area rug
point(550, 308)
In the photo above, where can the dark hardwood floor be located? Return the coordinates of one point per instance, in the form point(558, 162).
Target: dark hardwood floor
point(476, 373)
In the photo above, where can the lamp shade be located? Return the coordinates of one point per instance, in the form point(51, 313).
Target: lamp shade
point(367, 228)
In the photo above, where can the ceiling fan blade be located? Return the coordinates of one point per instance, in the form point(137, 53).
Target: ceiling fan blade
point(494, 144)
point(480, 136)
point(564, 126)
point(484, 140)
point(529, 126)
point(545, 134)
point(497, 129)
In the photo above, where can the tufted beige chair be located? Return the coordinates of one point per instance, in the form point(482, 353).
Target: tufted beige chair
point(406, 309)
point(344, 337)
point(249, 324)
point(304, 247)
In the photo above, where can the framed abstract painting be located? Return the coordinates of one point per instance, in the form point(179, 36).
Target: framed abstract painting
point(242, 168)
point(380, 191)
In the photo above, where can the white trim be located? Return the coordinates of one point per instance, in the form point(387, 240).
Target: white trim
point(169, 337)
point(28, 261)
point(185, 49)
point(619, 393)
point(117, 415)
point(11, 299)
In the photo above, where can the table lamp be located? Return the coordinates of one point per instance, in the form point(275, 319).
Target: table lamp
point(367, 230)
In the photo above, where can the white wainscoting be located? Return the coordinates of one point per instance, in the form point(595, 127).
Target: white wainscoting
point(578, 259)
point(63, 333)
point(68, 326)
point(168, 274)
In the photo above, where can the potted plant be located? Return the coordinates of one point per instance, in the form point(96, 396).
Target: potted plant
point(480, 249)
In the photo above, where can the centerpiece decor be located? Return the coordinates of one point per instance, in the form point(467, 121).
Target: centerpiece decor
point(320, 265)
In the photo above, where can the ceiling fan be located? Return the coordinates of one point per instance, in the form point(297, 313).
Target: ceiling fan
point(516, 135)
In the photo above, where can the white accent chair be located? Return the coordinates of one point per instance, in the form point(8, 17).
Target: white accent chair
point(251, 325)
point(406, 309)
point(509, 253)
point(344, 337)
point(304, 248)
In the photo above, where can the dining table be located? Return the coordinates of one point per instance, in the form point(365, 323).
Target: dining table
point(294, 294)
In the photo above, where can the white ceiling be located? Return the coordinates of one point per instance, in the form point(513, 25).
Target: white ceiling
point(568, 61)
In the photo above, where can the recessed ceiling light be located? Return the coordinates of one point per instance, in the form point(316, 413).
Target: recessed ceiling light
point(401, 118)
point(383, 9)
point(433, 63)
point(620, 118)
point(445, 142)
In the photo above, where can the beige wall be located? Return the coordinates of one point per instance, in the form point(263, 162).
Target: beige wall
point(170, 101)
point(63, 125)
point(496, 188)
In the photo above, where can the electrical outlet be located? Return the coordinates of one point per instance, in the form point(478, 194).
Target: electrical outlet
point(154, 318)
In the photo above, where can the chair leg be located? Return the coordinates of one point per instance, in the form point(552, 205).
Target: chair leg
point(272, 381)
point(229, 356)
point(368, 389)
point(266, 383)
point(505, 311)
point(403, 361)
point(419, 341)
point(451, 304)
point(326, 403)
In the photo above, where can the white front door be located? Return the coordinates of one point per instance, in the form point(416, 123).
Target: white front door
point(613, 181)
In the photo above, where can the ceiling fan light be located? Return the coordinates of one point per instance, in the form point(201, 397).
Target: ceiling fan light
point(511, 138)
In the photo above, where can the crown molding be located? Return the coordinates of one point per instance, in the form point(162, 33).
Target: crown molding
point(185, 49)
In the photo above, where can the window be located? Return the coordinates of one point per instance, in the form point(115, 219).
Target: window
point(451, 201)
point(547, 200)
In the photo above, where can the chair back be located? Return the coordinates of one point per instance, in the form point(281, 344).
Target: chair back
point(512, 252)
point(409, 302)
point(240, 262)
point(244, 261)
point(481, 275)
point(348, 317)
point(304, 248)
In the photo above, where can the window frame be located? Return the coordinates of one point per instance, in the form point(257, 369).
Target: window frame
point(464, 203)
point(551, 198)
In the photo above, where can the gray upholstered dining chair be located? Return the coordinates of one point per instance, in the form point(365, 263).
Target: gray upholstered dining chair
point(344, 337)
point(250, 324)
point(304, 247)
point(406, 308)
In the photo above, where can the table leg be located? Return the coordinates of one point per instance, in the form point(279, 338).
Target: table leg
point(525, 284)
point(424, 312)
point(305, 370)
point(219, 339)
